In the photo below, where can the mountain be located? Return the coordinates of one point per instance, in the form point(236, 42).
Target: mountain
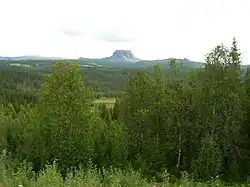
point(121, 56)
point(126, 59)
point(118, 56)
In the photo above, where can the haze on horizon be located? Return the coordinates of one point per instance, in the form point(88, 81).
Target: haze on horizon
point(151, 29)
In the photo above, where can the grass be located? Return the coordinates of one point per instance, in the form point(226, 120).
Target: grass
point(108, 101)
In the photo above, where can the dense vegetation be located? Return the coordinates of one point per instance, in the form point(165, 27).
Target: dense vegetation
point(161, 127)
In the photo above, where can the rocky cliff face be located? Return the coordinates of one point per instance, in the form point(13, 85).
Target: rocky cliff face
point(122, 55)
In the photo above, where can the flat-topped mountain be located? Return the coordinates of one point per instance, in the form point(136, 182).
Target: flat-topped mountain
point(122, 56)
point(117, 56)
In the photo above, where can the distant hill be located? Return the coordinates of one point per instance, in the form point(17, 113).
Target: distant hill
point(30, 58)
point(165, 63)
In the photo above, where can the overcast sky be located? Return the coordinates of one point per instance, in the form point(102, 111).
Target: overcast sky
point(152, 29)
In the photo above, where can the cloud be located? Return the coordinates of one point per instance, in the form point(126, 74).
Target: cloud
point(114, 35)
point(72, 32)
point(98, 34)
point(114, 38)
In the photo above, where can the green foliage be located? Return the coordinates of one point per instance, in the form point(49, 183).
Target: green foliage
point(50, 176)
point(208, 163)
point(109, 143)
point(105, 113)
point(116, 112)
point(63, 107)
point(235, 55)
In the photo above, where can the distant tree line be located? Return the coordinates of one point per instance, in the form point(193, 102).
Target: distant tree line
point(19, 86)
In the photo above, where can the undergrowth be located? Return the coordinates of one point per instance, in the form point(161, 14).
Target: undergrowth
point(23, 176)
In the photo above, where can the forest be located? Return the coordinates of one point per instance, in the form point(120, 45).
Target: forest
point(166, 128)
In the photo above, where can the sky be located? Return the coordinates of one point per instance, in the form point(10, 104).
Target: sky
point(151, 29)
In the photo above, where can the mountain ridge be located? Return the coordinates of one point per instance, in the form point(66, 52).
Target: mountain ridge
point(17, 58)
point(119, 59)
point(117, 56)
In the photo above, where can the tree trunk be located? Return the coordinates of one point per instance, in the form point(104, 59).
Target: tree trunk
point(179, 152)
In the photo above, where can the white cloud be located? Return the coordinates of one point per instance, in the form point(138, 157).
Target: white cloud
point(151, 29)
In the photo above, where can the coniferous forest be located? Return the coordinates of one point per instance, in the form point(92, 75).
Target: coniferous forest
point(166, 128)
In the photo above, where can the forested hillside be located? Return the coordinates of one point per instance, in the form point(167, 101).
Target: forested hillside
point(166, 128)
